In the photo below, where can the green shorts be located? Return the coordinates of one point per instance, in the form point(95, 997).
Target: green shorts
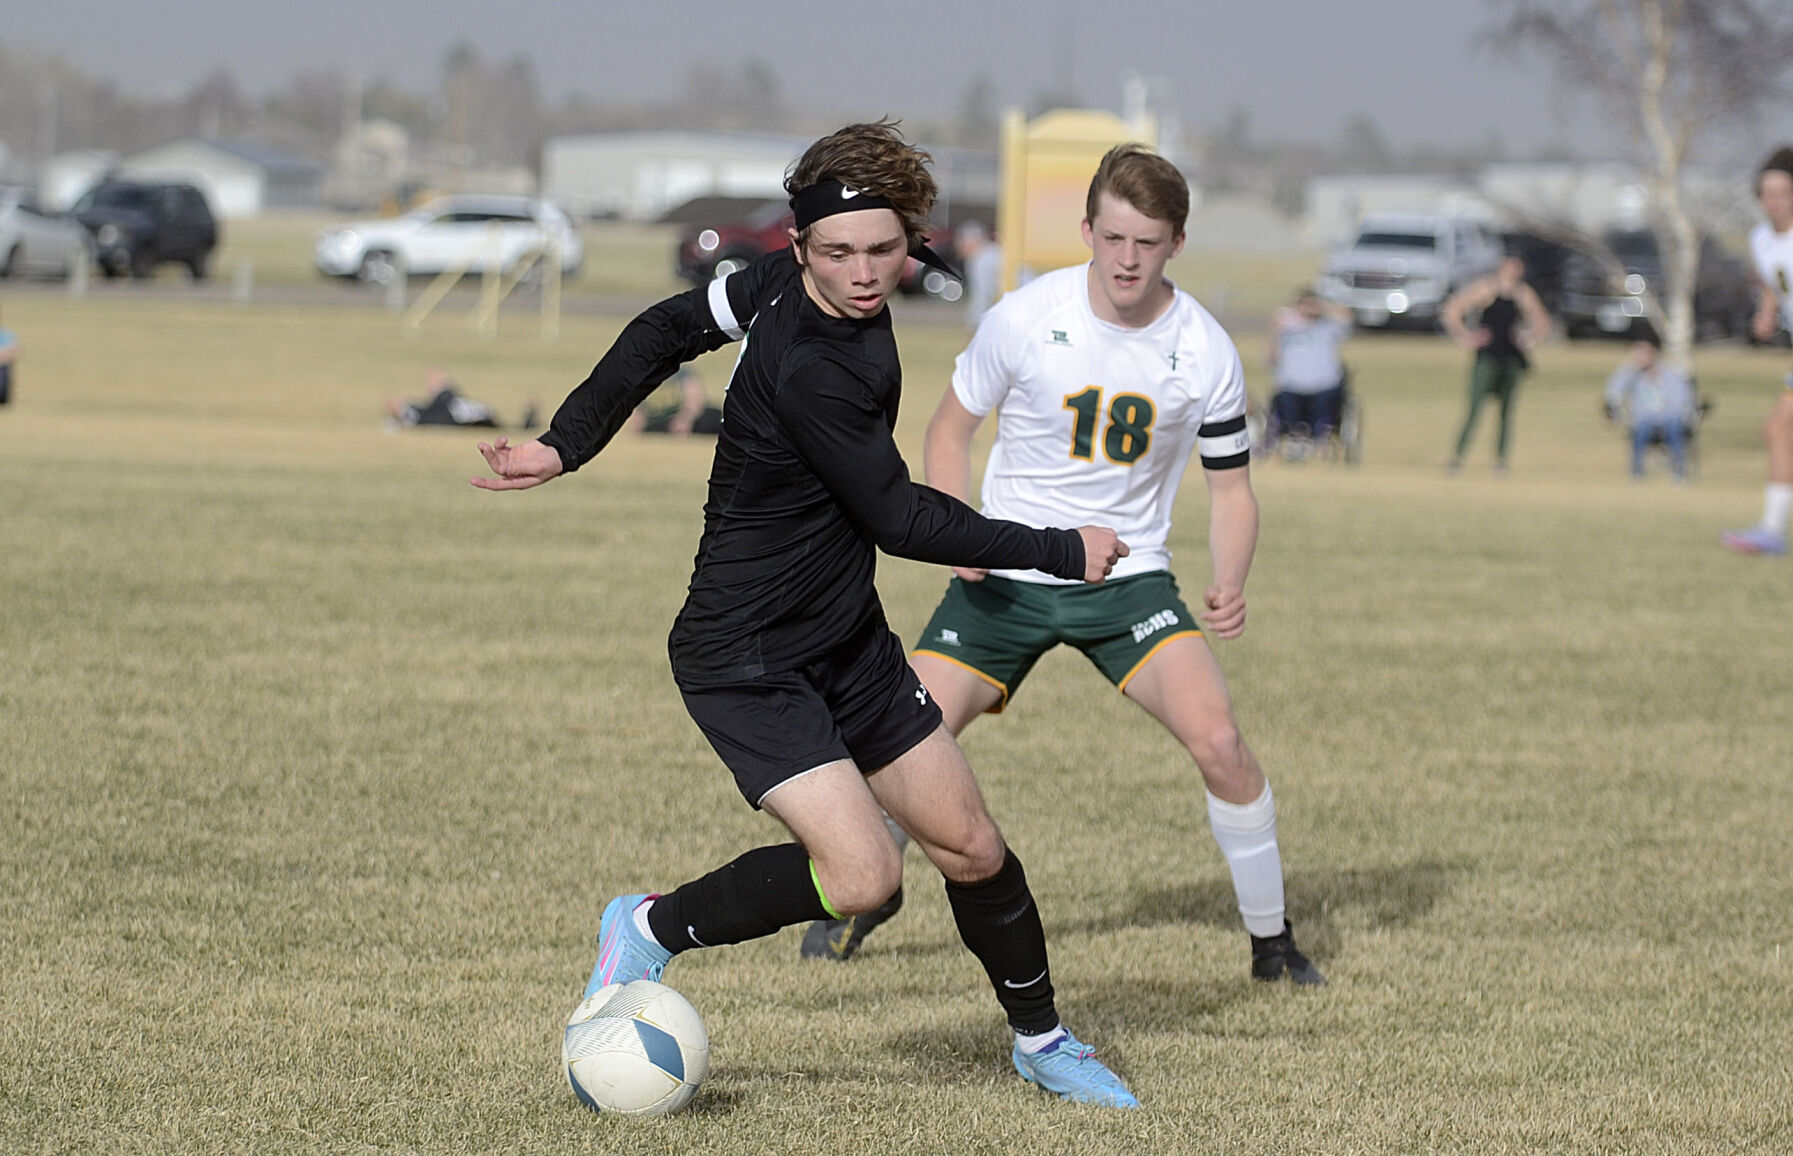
point(998, 628)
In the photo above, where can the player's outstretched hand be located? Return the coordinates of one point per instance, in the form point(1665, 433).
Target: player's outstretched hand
point(1102, 548)
point(1225, 616)
point(518, 467)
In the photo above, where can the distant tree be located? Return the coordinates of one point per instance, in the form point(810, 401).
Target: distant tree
point(216, 109)
point(1362, 147)
point(744, 98)
point(509, 125)
point(460, 89)
point(979, 124)
point(311, 107)
point(1672, 72)
point(762, 96)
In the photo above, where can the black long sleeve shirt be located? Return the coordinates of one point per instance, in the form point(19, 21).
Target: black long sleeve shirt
point(807, 483)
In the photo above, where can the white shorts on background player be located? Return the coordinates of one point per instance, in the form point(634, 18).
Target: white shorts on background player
point(1096, 422)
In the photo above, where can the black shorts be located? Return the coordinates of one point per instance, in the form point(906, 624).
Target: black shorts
point(860, 702)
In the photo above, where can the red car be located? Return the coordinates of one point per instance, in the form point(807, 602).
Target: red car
point(718, 250)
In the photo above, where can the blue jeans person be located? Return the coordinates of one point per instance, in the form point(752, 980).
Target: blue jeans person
point(1672, 432)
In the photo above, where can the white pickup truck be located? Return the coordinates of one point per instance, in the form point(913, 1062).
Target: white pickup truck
point(1401, 268)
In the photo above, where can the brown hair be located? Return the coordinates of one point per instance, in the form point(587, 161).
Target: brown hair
point(1779, 161)
point(872, 158)
point(1135, 174)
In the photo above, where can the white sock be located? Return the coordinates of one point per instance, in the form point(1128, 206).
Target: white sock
point(1777, 499)
point(1039, 1043)
point(1246, 833)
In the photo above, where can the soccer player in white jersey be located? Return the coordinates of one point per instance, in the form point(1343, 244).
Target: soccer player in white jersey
point(1105, 378)
point(1771, 245)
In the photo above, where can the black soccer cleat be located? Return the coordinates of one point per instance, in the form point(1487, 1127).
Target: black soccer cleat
point(1275, 957)
point(838, 939)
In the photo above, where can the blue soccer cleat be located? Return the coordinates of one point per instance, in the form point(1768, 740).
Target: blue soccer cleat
point(624, 954)
point(1755, 540)
point(1070, 1068)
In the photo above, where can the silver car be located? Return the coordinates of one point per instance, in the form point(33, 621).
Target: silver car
point(36, 243)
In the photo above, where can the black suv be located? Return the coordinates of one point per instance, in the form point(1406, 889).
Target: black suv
point(137, 226)
point(1600, 300)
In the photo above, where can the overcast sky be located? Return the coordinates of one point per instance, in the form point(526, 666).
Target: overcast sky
point(1299, 67)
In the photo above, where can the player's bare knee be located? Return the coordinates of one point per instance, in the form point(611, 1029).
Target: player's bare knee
point(868, 884)
point(1219, 749)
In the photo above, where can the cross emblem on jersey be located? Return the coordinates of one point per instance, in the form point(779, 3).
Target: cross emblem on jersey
point(1173, 359)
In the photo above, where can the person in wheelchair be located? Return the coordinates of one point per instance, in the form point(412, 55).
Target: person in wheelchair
point(1305, 339)
point(1659, 403)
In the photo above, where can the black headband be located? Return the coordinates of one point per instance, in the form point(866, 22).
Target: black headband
point(827, 197)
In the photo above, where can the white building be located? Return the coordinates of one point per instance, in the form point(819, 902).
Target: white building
point(638, 176)
point(641, 176)
point(239, 180)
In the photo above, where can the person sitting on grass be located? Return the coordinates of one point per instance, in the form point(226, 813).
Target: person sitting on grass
point(1304, 357)
point(1659, 401)
point(686, 409)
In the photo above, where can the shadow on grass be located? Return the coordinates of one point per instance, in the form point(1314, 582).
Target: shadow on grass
point(1378, 898)
point(1101, 1014)
point(713, 1103)
point(956, 1053)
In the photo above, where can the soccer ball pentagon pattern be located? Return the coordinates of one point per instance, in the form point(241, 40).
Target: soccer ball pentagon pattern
point(636, 1049)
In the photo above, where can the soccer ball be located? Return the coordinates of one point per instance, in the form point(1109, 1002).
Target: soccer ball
point(636, 1049)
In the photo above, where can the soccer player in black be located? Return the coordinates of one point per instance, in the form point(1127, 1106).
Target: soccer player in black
point(781, 652)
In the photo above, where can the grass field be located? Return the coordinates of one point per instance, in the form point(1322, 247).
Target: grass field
point(319, 765)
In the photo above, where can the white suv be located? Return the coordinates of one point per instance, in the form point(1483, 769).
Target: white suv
point(1405, 266)
point(478, 232)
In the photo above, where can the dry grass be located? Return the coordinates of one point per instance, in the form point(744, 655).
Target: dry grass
point(319, 764)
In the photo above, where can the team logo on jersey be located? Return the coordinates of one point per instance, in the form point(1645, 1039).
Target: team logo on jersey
point(949, 638)
point(1060, 337)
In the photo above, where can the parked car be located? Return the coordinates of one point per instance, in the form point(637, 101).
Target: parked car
point(1599, 298)
point(1402, 267)
point(478, 233)
point(720, 249)
point(36, 243)
point(710, 251)
point(138, 225)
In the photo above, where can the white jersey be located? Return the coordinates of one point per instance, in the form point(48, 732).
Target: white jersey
point(1096, 422)
point(1773, 253)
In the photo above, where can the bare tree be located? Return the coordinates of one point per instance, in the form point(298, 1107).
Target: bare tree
point(1672, 72)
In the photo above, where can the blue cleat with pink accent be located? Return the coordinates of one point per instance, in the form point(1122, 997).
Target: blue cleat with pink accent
point(1069, 1067)
point(1755, 540)
point(624, 953)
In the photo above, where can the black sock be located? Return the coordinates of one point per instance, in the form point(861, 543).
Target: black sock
point(760, 892)
point(998, 921)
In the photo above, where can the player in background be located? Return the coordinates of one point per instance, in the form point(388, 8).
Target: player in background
point(1771, 246)
point(1105, 378)
point(781, 652)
